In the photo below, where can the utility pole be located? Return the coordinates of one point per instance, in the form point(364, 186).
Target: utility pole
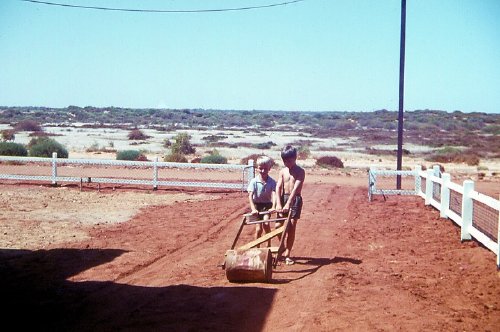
point(401, 91)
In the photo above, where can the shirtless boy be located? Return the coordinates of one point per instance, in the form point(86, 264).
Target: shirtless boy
point(289, 188)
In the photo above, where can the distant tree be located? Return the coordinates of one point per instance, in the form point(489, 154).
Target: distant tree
point(182, 144)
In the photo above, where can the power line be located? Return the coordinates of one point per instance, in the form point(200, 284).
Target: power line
point(60, 4)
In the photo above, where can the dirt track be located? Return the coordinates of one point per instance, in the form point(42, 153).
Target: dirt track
point(391, 265)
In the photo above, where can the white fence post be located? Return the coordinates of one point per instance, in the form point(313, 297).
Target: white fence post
point(371, 182)
point(418, 188)
point(155, 173)
point(445, 195)
point(498, 241)
point(428, 187)
point(467, 205)
point(437, 170)
point(54, 168)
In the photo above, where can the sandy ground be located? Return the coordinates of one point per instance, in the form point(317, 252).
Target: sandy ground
point(136, 260)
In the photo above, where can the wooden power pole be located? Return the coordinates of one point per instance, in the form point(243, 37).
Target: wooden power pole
point(401, 91)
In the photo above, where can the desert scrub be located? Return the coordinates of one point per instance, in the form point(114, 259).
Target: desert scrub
point(44, 147)
point(134, 155)
point(213, 138)
point(175, 158)
point(329, 162)
point(244, 161)
point(12, 149)
point(182, 144)
point(137, 135)
point(303, 152)
point(214, 158)
point(27, 125)
point(454, 155)
point(264, 146)
point(8, 135)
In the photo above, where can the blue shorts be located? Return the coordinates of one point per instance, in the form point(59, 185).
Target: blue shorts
point(295, 207)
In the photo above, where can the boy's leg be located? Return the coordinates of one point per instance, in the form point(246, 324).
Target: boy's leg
point(290, 239)
point(258, 232)
point(267, 228)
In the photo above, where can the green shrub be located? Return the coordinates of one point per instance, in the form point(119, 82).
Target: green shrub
point(12, 149)
point(264, 146)
point(182, 144)
point(134, 155)
point(329, 161)
point(175, 158)
point(214, 158)
point(44, 147)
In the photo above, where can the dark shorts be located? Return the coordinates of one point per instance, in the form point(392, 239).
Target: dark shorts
point(295, 207)
point(261, 207)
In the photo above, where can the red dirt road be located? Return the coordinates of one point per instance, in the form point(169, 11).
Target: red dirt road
point(360, 266)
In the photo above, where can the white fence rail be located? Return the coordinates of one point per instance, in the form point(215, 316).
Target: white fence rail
point(478, 215)
point(148, 173)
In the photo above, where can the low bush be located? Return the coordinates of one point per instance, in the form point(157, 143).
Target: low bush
point(264, 146)
point(8, 135)
point(134, 155)
point(214, 158)
point(27, 125)
point(44, 147)
point(455, 155)
point(213, 138)
point(303, 152)
point(329, 162)
point(12, 149)
point(137, 135)
point(175, 158)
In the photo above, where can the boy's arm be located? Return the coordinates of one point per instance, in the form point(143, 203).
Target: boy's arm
point(273, 200)
point(279, 190)
point(252, 204)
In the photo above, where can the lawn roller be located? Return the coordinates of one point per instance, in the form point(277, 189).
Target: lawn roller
point(248, 263)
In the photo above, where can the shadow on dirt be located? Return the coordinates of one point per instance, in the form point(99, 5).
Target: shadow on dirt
point(315, 262)
point(34, 287)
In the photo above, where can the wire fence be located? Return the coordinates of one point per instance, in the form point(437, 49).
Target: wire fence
point(148, 173)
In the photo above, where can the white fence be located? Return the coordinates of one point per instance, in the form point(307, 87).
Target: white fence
point(477, 214)
point(121, 172)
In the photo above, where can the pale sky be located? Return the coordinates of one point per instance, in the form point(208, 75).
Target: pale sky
point(313, 55)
